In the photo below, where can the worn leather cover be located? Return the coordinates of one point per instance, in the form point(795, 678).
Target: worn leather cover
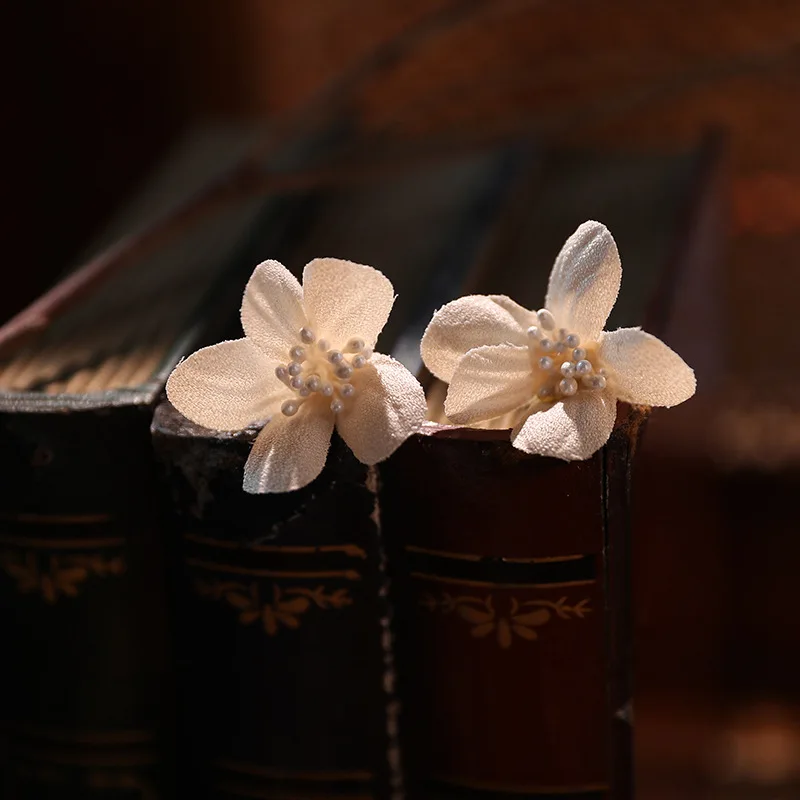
point(81, 591)
point(510, 579)
point(285, 669)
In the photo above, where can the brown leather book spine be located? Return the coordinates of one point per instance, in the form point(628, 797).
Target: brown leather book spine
point(281, 622)
point(83, 626)
point(512, 622)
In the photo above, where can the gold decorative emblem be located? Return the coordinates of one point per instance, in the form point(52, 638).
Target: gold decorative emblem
point(62, 574)
point(285, 608)
point(485, 619)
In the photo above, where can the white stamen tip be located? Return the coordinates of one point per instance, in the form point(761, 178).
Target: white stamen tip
point(307, 335)
point(294, 368)
point(572, 340)
point(336, 406)
point(568, 386)
point(297, 382)
point(546, 345)
point(289, 408)
point(583, 367)
point(545, 392)
point(355, 345)
point(313, 383)
point(546, 319)
point(281, 373)
point(335, 357)
point(298, 353)
point(304, 392)
point(533, 332)
point(326, 390)
point(578, 354)
point(545, 363)
point(347, 390)
point(323, 345)
point(367, 353)
point(344, 372)
point(358, 362)
point(567, 369)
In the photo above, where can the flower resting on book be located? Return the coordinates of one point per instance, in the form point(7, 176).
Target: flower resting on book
point(306, 364)
point(554, 374)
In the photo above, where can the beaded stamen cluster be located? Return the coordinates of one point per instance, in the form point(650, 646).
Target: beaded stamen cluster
point(561, 365)
point(316, 369)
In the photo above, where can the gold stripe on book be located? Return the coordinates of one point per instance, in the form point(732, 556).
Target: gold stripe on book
point(67, 757)
point(56, 519)
point(55, 544)
point(272, 793)
point(96, 737)
point(278, 773)
point(349, 574)
point(473, 557)
point(465, 582)
point(348, 549)
point(487, 786)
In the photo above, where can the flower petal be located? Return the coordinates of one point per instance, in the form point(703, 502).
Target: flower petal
point(388, 406)
point(290, 451)
point(470, 322)
point(488, 382)
point(572, 430)
point(272, 310)
point(584, 283)
point(226, 386)
point(344, 300)
point(644, 370)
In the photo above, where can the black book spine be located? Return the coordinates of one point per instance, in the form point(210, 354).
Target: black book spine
point(285, 683)
point(81, 576)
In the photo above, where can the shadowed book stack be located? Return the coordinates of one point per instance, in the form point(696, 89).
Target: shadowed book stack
point(434, 627)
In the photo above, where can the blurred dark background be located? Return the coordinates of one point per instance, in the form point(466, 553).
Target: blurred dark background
point(95, 91)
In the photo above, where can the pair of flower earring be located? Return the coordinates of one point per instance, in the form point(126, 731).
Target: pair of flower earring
point(307, 365)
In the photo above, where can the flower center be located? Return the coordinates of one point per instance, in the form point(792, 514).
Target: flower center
point(562, 365)
point(316, 369)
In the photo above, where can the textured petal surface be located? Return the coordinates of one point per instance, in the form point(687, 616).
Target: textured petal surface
point(290, 451)
point(344, 300)
point(571, 430)
point(469, 322)
point(488, 382)
point(272, 310)
point(389, 405)
point(585, 280)
point(644, 370)
point(226, 386)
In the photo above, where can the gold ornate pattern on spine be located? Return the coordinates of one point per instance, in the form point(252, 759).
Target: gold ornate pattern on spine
point(284, 609)
point(57, 576)
point(485, 619)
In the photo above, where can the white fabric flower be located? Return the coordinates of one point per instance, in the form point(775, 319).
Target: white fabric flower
point(554, 372)
point(306, 365)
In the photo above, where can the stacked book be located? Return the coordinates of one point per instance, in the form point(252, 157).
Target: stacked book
point(427, 629)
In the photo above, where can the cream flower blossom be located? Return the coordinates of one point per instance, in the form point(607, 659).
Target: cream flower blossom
point(306, 364)
point(554, 373)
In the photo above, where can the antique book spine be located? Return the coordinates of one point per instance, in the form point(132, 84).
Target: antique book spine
point(84, 628)
point(285, 670)
point(510, 579)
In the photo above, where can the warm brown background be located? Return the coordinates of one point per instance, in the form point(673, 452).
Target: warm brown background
point(95, 89)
